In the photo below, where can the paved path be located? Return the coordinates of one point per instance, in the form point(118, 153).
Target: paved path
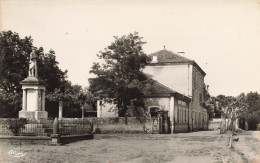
point(204, 146)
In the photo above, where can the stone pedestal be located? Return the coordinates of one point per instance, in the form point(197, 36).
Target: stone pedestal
point(33, 99)
point(33, 114)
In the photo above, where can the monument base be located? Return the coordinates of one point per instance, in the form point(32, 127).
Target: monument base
point(33, 114)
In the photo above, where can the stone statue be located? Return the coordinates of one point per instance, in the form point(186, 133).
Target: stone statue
point(33, 65)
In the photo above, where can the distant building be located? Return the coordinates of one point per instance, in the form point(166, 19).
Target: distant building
point(182, 75)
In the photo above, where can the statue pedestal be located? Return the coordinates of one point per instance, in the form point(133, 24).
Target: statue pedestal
point(33, 114)
point(33, 99)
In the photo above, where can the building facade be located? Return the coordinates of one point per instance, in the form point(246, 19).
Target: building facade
point(167, 99)
point(161, 98)
point(184, 76)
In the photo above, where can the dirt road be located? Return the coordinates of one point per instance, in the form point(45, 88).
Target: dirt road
point(204, 146)
point(248, 146)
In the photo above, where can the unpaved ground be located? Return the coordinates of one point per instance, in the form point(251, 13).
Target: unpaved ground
point(204, 146)
point(248, 146)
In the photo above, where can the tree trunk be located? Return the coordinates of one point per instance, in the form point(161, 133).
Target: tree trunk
point(223, 124)
point(231, 125)
point(122, 110)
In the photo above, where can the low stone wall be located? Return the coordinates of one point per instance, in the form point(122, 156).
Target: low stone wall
point(120, 124)
point(214, 124)
point(180, 127)
point(131, 125)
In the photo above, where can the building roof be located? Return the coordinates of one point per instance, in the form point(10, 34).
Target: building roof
point(165, 57)
point(160, 90)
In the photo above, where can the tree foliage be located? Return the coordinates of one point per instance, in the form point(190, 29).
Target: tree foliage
point(208, 102)
point(74, 97)
point(120, 77)
point(14, 54)
point(252, 112)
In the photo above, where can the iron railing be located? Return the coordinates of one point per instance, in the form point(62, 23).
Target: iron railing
point(75, 126)
point(25, 127)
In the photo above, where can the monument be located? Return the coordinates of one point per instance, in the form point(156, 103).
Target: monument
point(33, 93)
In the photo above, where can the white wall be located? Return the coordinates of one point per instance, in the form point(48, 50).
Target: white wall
point(164, 103)
point(176, 77)
point(106, 110)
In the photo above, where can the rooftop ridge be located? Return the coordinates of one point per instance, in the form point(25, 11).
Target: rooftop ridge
point(169, 56)
point(152, 54)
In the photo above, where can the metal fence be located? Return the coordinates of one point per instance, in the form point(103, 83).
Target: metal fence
point(75, 126)
point(25, 127)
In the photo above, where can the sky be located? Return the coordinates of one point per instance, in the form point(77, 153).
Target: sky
point(222, 36)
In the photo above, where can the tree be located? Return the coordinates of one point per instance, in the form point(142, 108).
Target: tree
point(120, 77)
point(85, 97)
point(14, 56)
point(73, 97)
point(231, 109)
point(251, 114)
point(208, 102)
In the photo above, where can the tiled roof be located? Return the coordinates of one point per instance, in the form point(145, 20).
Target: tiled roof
point(161, 90)
point(166, 56)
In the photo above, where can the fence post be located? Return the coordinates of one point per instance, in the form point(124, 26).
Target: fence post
point(55, 137)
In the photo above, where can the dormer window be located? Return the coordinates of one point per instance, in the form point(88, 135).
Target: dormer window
point(154, 59)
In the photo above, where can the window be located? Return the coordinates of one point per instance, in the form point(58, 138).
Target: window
point(176, 113)
point(187, 115)
point(196, 117)
point(154, 111)
point(180, 114)
point(201, 97)
point(184, 114)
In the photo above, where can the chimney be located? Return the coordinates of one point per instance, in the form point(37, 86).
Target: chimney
point(181, 53)
point(154, 59)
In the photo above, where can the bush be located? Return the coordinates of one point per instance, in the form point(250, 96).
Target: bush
point(15, 125)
